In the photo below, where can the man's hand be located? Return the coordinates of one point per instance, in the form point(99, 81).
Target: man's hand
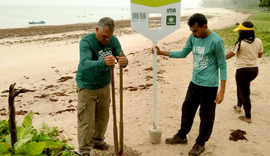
point(122, 60)
point(220, 95)
point(110, 60)
point(219, 98)
point(158, 50)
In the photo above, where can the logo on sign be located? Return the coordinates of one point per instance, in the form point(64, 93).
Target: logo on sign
point(171, 20)
point(171, 10)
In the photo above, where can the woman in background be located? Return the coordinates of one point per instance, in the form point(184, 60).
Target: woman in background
point(247, 49)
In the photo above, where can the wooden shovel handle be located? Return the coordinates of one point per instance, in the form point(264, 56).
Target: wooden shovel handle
point(115, 134)
point(121, 125)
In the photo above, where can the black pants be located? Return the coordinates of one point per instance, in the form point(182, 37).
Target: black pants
point(243, 77)
point(205, 97)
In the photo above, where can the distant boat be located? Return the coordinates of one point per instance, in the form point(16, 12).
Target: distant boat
point(37, 22)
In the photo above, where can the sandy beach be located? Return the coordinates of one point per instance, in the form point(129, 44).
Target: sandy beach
point(44, 61)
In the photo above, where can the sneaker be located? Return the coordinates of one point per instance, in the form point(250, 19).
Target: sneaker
point(103, 146)
point(176, 140)
point(196, 150)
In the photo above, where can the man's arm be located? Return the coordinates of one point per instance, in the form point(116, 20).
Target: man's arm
point(220, 95)
point(86, 58)
point(122, 61)
point(164, 53)
point(174, 54)
point(159, 52)
point(222, 64)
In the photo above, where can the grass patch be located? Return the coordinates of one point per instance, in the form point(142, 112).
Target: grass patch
point(261, 21)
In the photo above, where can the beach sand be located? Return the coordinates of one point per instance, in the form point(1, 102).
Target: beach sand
point(44, 61)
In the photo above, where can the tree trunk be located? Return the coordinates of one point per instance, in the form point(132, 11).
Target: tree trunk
point(12, 124)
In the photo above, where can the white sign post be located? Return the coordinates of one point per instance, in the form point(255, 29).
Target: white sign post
point(170, 13)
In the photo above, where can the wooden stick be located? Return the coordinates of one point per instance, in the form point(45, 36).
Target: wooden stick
point(115, 135)
point(12, 124)
point(121, 153)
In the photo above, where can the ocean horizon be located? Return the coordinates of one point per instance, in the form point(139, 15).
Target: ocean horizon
point(18, 16)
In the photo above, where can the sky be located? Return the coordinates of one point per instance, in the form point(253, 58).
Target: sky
point(126, 3)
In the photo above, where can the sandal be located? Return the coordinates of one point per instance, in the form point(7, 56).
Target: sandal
point(243, 118)
point(235, 108)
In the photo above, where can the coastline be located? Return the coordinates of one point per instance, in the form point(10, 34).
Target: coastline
point(16, 16)
point(38, 61)
point(52, 33)
point(55, 29)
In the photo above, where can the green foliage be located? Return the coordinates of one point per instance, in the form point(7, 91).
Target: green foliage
point(8, 139)
point(4, 130)
point(229, 37)
point(20, 145)
point(6, 149)
point(264, 3)
point(261, 21)
point(231, 3)
point(26, 128)
point(35, 147)
point(51, 132)
point(32, 142)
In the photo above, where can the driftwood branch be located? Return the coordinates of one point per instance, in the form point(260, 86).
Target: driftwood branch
point(12, 124)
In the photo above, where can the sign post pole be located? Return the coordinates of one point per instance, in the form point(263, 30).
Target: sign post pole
point(169, 12)
point(155, 86)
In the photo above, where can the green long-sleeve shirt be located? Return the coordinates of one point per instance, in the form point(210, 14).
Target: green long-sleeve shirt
point(208, 58)
point(92, 71)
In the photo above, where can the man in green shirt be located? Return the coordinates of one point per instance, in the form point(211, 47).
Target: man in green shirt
point(208, 60)
point(98, 51)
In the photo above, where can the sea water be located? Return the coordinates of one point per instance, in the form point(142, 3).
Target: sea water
point(18, 16)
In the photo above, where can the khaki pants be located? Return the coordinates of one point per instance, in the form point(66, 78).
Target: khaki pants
point(92, 117)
